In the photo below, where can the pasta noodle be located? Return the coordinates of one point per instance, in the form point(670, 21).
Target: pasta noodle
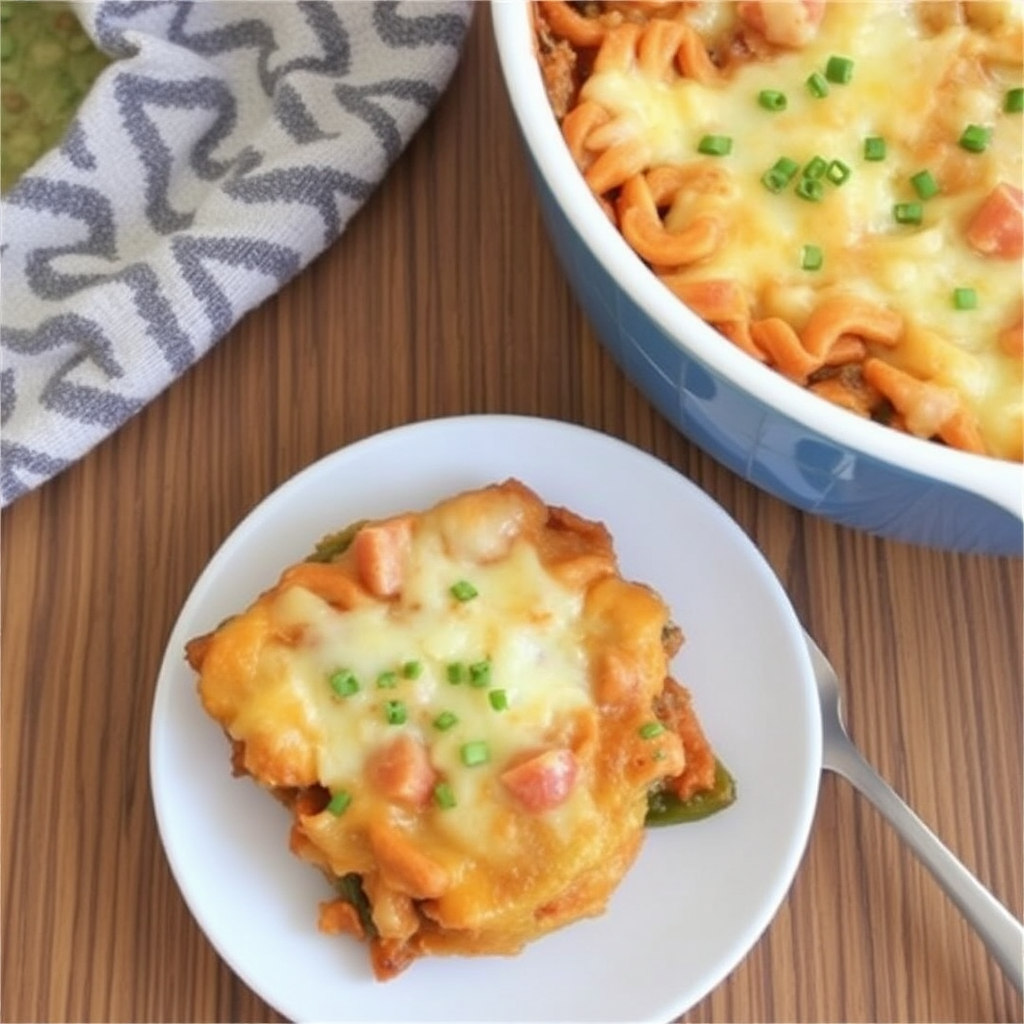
point(834, 186)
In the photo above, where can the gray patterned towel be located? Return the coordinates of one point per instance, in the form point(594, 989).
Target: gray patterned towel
point(228, 144)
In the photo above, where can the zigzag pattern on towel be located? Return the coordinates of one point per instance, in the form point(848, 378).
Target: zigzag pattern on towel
point(224, 149)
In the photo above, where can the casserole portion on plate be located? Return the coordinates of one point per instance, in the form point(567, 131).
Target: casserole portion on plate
point(470, 714)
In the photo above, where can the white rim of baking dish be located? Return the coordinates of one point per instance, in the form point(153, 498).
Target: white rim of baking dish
point(997, 480)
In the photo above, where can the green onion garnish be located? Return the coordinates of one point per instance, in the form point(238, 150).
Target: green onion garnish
point(817, 85)
point(387, 680)
point(812, 257)
point(839, 70)
point(925, 184)
point(498, 699)
point(344, 682)
point(908, 213)
point(444, 796)
point(816, 168)
point(975, 138)
point(480, 673)
point(339, 802)
point(780, 174)
point(394, 712)
point(787, 166)
point(463, 591)
point(1014, 102)
point(965, 298)
point(412, 669)
point(810, 189)
point(651, 729)
point(446, 720)
point(474, 753)
point(715, 145)
point(456, 673)
point(874, 148)
point(772, 99)
point(838, 172)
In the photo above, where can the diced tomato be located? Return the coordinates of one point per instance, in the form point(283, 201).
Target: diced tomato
point(792, 23)
point(401, 771)
point(380, 551)
point(543, 781)
point(997, 227)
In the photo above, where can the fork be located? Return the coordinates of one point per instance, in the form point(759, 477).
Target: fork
point(998, 928)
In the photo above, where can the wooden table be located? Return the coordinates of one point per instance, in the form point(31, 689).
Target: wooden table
point(444, 297)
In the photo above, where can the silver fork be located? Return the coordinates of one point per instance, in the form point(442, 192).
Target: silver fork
point(1001, 932)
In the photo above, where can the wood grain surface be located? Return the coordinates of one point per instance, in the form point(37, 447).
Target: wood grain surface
point(443, 296)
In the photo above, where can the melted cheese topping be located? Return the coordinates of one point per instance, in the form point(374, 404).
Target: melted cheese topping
point(918, 90)
point(524, 624)
point(303, 680)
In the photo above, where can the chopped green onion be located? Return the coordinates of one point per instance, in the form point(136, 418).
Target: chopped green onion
point(965, 298)
point(412, 669)
point(344, 683)
point(816, 168)
point(715, 145)
point(456, 673)
point(463, 591)
point(817, 85)
point(480, 673)
point(839, 70)
point(908, 213)
point(446, 720)
point(444, 796)
point(975, 138)
point(1014, 102)
point(339, 802)
point(787, 166)
point(838, 172)
point(772, 99)
point(925, 184)
point(810, 189)
point(874, 148)
point(498, 699)
point(387, 680)
point(474, 753)
point(780, 174)
point(812, 258)
point(649, 730)
point(394, 712)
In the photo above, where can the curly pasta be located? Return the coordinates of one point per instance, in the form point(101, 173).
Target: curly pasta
point(834, 186)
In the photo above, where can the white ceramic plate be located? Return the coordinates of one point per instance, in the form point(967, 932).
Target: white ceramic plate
point(699, 895)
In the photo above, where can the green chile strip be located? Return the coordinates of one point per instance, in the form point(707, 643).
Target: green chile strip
point(665, 808)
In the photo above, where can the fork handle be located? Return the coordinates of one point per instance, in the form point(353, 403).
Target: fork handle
point(1001, 932)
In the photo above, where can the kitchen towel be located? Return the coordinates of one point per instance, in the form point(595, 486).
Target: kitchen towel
point(227, 145)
